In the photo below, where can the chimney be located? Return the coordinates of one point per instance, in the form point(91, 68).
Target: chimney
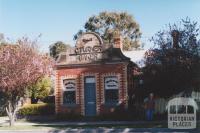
point(175, 36)
point(117, 41)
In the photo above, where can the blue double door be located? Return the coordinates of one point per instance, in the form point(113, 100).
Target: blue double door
point(90, 96)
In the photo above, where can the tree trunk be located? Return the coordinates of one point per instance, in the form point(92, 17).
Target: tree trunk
point(11, 112)
point(11, 120)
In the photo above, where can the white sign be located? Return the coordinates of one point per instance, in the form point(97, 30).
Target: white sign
point(69, 84)
point(182, 113)
point(111, 83)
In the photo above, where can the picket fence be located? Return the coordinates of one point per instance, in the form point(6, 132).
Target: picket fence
point(161, 103)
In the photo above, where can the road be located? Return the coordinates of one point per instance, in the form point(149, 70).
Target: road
point(107, 130)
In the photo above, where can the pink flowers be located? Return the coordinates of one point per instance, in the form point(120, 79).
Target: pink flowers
point(21, 65)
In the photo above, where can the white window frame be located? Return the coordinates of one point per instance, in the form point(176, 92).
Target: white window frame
point(67, 90)
point(117, 88)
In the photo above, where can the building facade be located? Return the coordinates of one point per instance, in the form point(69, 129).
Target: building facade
point(93, 77)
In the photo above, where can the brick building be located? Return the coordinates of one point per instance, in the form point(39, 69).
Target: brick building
point(93, 77)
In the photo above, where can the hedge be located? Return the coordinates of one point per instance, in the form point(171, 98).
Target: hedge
point(37, 109)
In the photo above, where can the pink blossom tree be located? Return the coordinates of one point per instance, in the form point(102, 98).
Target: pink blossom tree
point(21, 65)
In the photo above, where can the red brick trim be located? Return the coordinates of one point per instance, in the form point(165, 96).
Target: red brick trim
point(57, 103)
point(125, 97)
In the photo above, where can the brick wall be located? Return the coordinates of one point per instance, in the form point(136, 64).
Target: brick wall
point(99, 71)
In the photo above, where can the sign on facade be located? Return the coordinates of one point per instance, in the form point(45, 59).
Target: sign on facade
point(69, 84)
point(111, 83)
point(88, 48)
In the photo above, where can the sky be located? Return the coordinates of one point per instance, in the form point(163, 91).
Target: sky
point(60, 20)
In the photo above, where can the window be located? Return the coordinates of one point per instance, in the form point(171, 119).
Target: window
point(111, 85)
point(173, 109)
point(69, 91)
point(190, 109)
point(181, 109)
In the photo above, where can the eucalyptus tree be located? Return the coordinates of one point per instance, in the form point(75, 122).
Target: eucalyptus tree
point(107, 24)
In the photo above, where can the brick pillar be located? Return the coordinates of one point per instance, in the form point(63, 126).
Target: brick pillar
point(57, 93)
point(125, 93)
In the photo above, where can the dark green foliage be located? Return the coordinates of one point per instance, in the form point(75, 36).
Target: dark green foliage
point(37, 109)
point(69, 117)
point(161, 117)
point(56, 48)
point(49, 99)
point(40, 90)
point(173, 68)
point(127, 116)
point(188, 37)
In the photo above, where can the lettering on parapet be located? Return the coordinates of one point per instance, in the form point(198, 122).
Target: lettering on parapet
point(88, 53)
point(87, 40)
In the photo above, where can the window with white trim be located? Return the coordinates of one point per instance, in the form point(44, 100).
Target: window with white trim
point(69, 91)
point(111, 85)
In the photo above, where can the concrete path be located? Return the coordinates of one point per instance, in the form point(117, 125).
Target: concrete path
point(3, 120)
point(107, 130)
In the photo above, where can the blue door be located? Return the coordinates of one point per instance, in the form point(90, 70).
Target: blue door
point(90, 96)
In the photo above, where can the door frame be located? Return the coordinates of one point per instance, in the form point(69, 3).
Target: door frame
point(85, 94)
point(82, 102)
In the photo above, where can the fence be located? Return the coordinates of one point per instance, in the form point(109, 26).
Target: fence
point(160, 103)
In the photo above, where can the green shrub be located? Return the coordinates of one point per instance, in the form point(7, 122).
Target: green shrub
point(49, 99)
point(37, 109)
